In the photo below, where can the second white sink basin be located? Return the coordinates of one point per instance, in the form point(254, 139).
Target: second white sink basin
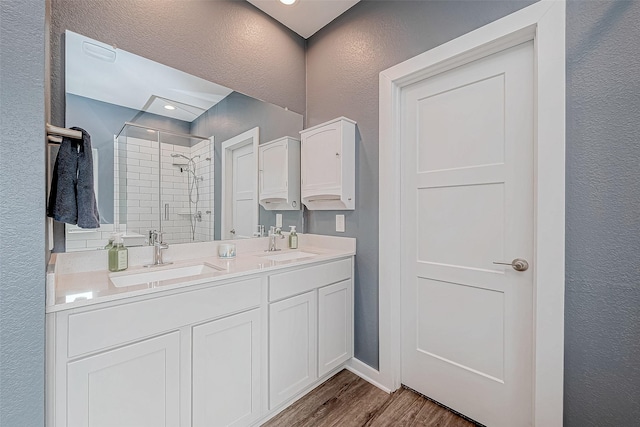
point(157, 274)
point(289, 256)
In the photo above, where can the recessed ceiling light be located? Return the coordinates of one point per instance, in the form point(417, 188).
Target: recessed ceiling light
point(288, 2)
point(169, 107)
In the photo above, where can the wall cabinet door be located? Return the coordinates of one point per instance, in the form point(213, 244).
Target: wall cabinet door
point(292, 346)
point(135, 385)
point(321, 158)
point(335, 326)
point(273, 170)
point(279, 172)
point(226, 371)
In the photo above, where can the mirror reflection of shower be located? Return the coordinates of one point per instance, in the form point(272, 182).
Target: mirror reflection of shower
point(164, 182)
point(193, 181)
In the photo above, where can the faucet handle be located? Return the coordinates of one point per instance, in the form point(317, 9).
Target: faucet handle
point(159, 238)
point(152, 237)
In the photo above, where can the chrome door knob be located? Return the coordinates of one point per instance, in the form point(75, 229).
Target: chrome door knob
point(518, 264)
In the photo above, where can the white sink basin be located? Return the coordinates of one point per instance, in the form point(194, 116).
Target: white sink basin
point(289, 256)
point(157, 274)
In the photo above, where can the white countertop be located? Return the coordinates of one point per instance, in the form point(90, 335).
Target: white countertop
point(82, 278)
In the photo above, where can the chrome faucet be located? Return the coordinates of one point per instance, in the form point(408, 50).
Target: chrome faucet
point(155, 239)
point(273, 232)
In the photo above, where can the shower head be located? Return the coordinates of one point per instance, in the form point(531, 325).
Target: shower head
point(174, 155)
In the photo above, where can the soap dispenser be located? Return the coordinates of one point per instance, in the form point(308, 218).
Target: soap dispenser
point(293, 238)
point(118, 255)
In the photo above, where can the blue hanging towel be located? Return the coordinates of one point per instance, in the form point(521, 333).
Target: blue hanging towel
point(72, 198)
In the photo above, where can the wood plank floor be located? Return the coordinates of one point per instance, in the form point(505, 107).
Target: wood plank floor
point(349, 401)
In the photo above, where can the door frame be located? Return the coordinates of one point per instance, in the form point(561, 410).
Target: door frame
point(544, 23)
point(250, 137)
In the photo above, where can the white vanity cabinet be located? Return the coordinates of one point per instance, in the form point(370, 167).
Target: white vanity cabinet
point(327, 158)
point(226, 371)
point(279, 174)
point(310, 326)
point(229, 352)
point(151, 361)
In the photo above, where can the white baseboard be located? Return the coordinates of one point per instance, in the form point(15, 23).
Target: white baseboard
point(367, 373)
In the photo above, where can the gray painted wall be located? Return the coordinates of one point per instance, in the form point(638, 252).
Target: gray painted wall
point(238, 113)
point(602, 377)
point(602, 301)
point(228, 42)
point(22, 212)
point(343, 63)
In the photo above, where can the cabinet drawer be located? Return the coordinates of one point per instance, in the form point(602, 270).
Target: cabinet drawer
point(96, 329)
point(299, 281)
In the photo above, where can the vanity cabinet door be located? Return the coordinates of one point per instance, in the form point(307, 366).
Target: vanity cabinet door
point(226, 371)
point(135, 385)
point(292, 346)
point(335, 326)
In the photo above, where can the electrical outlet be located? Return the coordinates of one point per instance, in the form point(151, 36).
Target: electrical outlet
point(279, 220)
point(340, 223)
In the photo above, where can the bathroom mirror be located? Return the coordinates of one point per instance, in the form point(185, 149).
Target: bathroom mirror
point(157, 136)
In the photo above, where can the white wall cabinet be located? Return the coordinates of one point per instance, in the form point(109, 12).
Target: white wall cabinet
point(292, 347)
point(327, 160)
point(279, 174)
point(135, 385)
point(226, 371)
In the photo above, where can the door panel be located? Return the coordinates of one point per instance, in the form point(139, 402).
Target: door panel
point(321, 153)
point(467, 138)
point(479, 344)
point(243, 191)
point(292, 346)
point(226, 371)
point(136, 385)
point(482, 113)
point(335, 326)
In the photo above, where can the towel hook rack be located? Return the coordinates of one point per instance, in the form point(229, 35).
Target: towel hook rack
point(55, 133)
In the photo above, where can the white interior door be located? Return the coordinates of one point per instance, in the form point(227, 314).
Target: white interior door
point(243, 191)
point(240, 185)
point(467, 202)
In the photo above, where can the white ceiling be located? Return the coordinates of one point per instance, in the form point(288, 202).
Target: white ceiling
point(305, 17)
point(98, 71)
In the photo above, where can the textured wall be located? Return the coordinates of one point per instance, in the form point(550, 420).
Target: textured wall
point(227, 42)
point(22, 212)
point(602, 320)
point(343, 63)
